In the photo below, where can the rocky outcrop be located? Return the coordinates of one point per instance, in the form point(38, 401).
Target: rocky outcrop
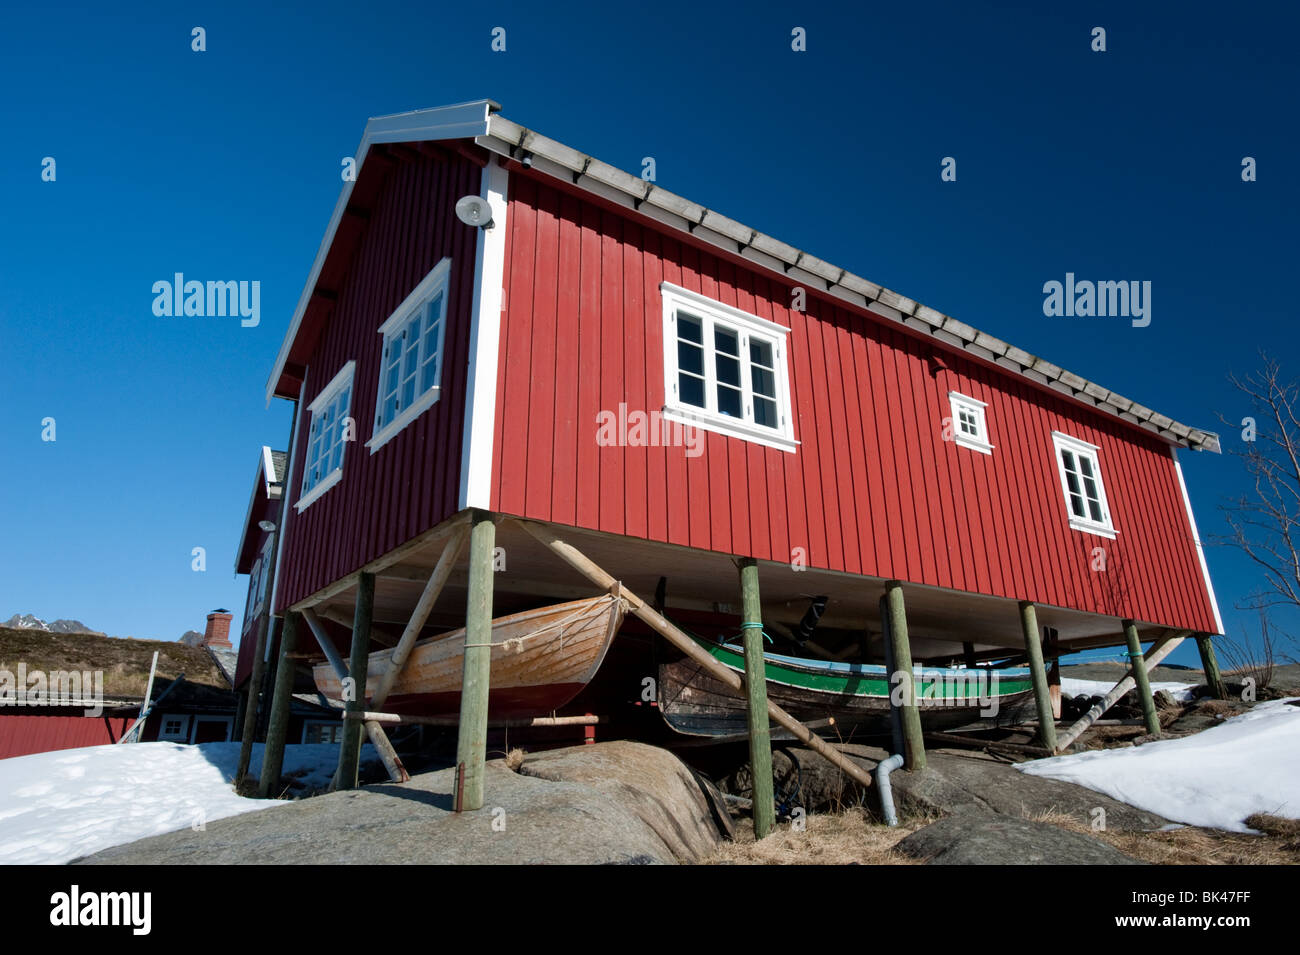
point(648, 781)
point(979, 837)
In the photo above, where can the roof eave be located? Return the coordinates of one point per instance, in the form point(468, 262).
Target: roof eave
point(461, 121)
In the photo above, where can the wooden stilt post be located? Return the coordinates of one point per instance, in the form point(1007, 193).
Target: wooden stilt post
point(1210, 664)
point(350, 750)
point(471, 742)
point(278, 727)
point(1038, 674)
point(249, 728)
point(760, 744)
point(913, 741)
point(1141, 678)
point(968, 655)
point(378, 738)
point(895, 714)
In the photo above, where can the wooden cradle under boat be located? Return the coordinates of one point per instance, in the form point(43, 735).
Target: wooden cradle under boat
point(835, 697)
point(541, 659)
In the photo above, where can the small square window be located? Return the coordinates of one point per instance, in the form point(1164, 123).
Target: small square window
point(969, 423)
point(411, 365)
point(175, 729)
point(331, 430)
point(1085, 495)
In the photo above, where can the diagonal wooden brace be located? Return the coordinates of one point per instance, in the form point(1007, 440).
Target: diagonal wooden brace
point(1159, 650)
point(584, 565)
point(378, 738)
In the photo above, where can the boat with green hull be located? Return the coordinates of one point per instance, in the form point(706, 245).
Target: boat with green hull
point(836, 698)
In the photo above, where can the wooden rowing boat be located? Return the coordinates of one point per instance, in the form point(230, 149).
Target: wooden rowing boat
point(541, 659)
point(835, 697)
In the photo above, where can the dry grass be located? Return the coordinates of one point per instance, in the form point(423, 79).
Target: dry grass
point(1279, 844)
point(124, 662)
point(848, 837)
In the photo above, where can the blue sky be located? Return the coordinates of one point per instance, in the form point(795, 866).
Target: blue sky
point(225, 164)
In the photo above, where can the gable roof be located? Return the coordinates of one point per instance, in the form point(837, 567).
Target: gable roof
point(482, 121)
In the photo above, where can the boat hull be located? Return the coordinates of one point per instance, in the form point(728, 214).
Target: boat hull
point(541, 659)
point(837, 699)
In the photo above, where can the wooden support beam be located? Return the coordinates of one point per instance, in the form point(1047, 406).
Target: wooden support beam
point(760, 743)
point(326, 644)
point(1052, 656)
point(1159, 650)
point(278, 726)
point(913, 741)
point(420, 615)
point(377, 636)
point(643, 611)
point(401, 719)
point(471, 742)
point(393, 557)
point(1210, 664)
point(253, 701)
point(1038, 674)
point(350, 750)
point(968, 655)
point(378, 738)
point(1141, 678)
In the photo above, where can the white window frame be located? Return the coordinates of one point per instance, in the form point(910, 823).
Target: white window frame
point(713, 313)
point(393, 329)
point(181, 736)
point(976, 408)
point(327, 397)
point(257, 582)
point(1080, 448)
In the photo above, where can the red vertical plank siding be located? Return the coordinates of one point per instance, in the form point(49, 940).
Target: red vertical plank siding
point(413, 481)
point(872, 487)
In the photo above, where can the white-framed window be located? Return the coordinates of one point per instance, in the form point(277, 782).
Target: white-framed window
point(725, 370)
point(331, 430)
point(970, 427)
point(257, 583)
point(1085, 495)
point(174, 729)
point(410, 370)
point(322, 731)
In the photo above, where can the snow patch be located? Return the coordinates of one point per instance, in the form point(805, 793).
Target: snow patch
point(56, 807)
point(1214, 779)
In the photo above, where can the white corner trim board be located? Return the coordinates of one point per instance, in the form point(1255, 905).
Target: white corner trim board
point(484, 344)
point(1196, 536)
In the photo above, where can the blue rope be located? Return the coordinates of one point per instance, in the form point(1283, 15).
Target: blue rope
point(754, 625)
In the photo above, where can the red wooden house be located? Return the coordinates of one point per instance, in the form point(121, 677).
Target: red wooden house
point(541, 367)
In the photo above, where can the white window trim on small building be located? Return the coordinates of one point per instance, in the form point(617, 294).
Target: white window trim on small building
point(1083, 451)
point(324, 402)
point(181, 735)
point(747, 327)
point(394, 330)
point(975, 410)
point(257, 582)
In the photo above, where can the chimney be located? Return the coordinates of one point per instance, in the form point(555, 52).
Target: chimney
point(217, 633)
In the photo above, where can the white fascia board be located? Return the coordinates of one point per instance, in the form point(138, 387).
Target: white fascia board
point(462, 121)
point(285, 517)
point(1196, 536)
point(484, 344)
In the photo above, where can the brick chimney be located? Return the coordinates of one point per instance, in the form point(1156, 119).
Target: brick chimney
point(217, 633)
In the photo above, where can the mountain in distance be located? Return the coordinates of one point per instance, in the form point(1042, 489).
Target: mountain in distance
point(27, 621)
